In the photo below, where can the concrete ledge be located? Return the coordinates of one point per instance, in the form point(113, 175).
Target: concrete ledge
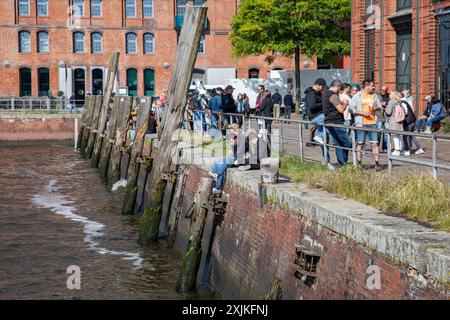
point(38, 115)
point(401, 239)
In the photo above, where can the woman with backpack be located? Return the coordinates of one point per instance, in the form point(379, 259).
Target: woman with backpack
point(395, 116)
point(409, 125)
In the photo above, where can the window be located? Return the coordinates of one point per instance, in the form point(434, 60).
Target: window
point(24, 7)
point(369, 4)
point(253, 73)
point(149, 82)
point(444, 59)
point(369, 54)
point(25, 82)
point(24, 41)
point(97, 82)
point(181, 7)
point(130, 8)
point(42, 41)
point(131, 43)
point(147, 6)
point(132, 82)
point(42, 7)
point(78, 42)
point(96, 42)
point(199, 3)
point(148, 43)
point(78, 8)
point(404, 4)
point(96, 8)
point(43, 82)
point(201, 46)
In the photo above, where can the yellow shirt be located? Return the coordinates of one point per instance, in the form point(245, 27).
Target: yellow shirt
point(368, 102)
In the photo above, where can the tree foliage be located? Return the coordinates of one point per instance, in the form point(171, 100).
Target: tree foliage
point(319, 27)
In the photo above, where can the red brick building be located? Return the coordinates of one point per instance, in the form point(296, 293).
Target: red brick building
point(65, 45)
point(403, 44)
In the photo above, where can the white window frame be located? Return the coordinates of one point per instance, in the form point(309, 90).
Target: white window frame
point(39, 41)
point(92, 42)
point(99, 5)
point(153, 43)
point(77, 5)
point(130, 5)
point(21, 32)
point(27, 3)
point(127, 43)
point(75, 42)
point(151, 5)
point(39, 5)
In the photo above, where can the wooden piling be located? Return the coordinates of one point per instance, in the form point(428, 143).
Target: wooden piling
point(112, 71)
point(87, 127)
point(191, 259)
point(93, 133)
point(84, 120)
point(108, 142)
point(133, 168)
point(123, 114)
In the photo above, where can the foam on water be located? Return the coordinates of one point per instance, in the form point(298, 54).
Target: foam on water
point(119, 184)
point(92, 229)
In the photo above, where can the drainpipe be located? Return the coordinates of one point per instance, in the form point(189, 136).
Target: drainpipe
point(417, 53)
point(381, 43)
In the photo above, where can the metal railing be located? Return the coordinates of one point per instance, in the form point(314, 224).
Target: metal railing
point(204, 123)
point(36, 103)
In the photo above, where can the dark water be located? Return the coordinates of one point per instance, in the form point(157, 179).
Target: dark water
point(54, 213)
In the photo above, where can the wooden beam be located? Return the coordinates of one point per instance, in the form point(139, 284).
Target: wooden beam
point(86, 123)
point(94, 126)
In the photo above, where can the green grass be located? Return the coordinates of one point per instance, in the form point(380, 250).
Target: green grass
point(445, 126)
point(417, 196)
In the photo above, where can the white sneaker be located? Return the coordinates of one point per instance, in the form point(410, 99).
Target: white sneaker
point(420, 151)
point(406, 153)
point(212, 175)
point(318, 139)
point(330, 167)
point(216, 191)
point(396, 153)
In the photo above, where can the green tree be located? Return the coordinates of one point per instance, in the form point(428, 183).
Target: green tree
point(319, 28)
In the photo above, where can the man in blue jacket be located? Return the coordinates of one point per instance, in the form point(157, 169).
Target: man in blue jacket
point(437, 114)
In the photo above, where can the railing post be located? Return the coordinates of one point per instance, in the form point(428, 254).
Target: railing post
point(300, 137)
point(354, 147)
point(389, 153)
point(281, 136)
point(48, 103)
point(434, 172)
point(201, 122)
point(325, 147)
point(12, 103)
point(30, 103)
point(76, 133)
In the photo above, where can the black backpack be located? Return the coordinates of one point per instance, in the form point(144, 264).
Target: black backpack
point(410, 117)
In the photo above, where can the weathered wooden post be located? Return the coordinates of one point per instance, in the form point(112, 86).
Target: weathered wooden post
point(112, 71)
point(119, 141)
point(133, 170)
point(191, 259)
point(186, 55)
point(109, 140)
point(86, 120)
point(94, 126)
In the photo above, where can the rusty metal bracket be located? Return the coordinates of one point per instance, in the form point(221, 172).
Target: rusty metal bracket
point(111, 141)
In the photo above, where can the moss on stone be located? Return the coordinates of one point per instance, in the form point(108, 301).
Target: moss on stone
point(149, 224)
point(129, 200)
point(189, 267)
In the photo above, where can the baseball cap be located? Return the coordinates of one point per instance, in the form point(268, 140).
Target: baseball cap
point(321, 82)
point(229, 87)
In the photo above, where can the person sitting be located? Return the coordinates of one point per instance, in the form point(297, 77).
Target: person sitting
point(422, 123)
point(255, 150)
point(437, 114)
point(219, 168)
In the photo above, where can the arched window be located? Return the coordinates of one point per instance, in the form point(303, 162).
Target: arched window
point(132, 82)
point(131, 43)
point(43, 43)
point(24, 41)
point(97, 82)
point(147, 6)
point(181, 7)
point(43, 82)
point(253, 73)
point(96, 42)
point(149, 43)
point(96, 8)
point(149, 82)
point(42, 8)
point(78, 42)
point(25, 82)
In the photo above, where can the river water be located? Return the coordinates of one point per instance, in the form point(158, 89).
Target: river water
point(56, 213)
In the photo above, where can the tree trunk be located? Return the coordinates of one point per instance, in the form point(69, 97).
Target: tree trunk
point(298, 94)
point(180, 81)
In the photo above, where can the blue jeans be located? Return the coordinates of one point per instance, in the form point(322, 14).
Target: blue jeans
point(361, 135)
point(319, 120)
point(341, 139)
point(435, 119)
point(214, 124)
point(380, 125)
point(220, 168)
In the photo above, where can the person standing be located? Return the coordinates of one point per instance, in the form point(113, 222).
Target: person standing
point(276, 102)
point(395, 116)
point(408, 126)
point(333, 111)
point(266, 110)
point(380, 115)
point(246, 102)
point(288, 102)
point(228, 104)
point(259, 99)
point(314, 109)
point(345, 100)
point(363, 105)
point(215, 106)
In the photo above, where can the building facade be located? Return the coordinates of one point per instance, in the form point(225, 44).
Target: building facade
point(51, 46)
point(404, 44)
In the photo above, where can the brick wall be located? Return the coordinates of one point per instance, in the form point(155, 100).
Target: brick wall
point(252, 245)
point(113, 25)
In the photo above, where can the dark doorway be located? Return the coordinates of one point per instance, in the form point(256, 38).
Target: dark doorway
point(404, 53)
point(25, 82)
point(79, 86)
point(444, 59)
point(132, 82)
point(97, 82)
point(149, 82)
point(43, 82)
